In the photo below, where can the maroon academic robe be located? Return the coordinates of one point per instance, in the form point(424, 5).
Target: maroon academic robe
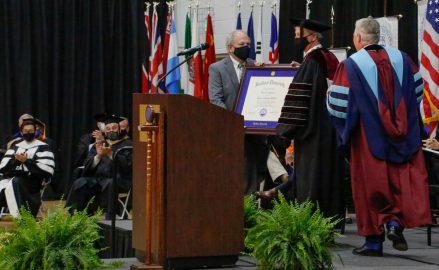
point(384, 190)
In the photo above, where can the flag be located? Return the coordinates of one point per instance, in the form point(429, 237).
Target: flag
point(196, 63)
point(251, 34)
point(238, 22)
point(209, 57)
point(430, 66)
point(167, 39)
point(145, 71)
point(173, 78)
point(187, 44)
point(259, 57)
point(156, 65)
point(274, 49)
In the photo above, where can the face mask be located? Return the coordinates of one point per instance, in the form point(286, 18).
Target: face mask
point(28, 137)
point(300, 43)
point(113, 135)
point(242, 52)
point(101, 126)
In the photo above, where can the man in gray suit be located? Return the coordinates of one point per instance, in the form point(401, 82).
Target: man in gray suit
point(224, 78)
point(225, 75)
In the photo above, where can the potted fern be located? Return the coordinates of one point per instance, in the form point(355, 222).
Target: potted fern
point(251, 212)
point(58, 241)
point(292, 236)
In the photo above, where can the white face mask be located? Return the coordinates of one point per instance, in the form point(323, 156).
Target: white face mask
point(101, 126)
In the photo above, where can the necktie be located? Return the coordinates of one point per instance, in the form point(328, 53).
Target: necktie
point(240, 67)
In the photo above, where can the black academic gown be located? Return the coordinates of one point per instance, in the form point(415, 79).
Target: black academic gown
point(318, 165)
point(96, 181)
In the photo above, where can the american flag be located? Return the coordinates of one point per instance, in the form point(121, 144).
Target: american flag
point(430, 65)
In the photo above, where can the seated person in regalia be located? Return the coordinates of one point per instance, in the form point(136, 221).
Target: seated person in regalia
point(97, 176)
point(24, 167)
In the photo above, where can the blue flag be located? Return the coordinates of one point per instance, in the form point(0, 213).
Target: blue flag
point(238, 22)
point(173, 79)
point(251, 34)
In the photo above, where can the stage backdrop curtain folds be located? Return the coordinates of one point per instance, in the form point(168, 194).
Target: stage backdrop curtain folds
point(65, 60)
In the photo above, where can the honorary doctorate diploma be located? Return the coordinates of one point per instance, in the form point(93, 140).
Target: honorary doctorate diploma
point(261, 96)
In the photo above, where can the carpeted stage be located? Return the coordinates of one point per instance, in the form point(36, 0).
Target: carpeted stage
point(419, 256)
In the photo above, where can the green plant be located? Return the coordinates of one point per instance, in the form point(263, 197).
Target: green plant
point(251, 212)
point(292, 236)
point(59, 241)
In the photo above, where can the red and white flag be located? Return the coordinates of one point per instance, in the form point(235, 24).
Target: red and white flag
point(145, 71)
point(195, 86)
point(156, 63)
point(430, 66)
point(274, 48)
point(167, 38)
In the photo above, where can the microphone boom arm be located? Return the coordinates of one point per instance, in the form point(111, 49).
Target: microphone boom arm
point(174, 68)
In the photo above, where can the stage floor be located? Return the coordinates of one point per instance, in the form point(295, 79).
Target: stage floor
point(419, 256)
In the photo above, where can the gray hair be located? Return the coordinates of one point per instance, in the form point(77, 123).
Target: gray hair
point(231, 37)
point(369, 30)
point(319, 35)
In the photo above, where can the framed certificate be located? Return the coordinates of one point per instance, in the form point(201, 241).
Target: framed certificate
point(261, 96)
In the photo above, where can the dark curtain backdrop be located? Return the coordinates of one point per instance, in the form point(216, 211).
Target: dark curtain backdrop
point(64, 61)
point(346, 13)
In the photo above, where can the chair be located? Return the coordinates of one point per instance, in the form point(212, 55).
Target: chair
point(432, 162)
point(434, 208)
point(123, 199)
point(4, 211)
point(116, 199)
point(44, 185)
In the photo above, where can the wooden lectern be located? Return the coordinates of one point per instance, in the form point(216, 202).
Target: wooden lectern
point(188, 183)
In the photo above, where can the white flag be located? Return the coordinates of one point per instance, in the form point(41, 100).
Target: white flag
point(259, 54)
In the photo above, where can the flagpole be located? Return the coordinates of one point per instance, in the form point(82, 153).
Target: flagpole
point(332, 24)
point(170, 5)
point(385, 8)
point(273, 6)
point(308, 10)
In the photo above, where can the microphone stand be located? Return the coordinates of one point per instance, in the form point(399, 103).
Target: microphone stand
point(169, 72)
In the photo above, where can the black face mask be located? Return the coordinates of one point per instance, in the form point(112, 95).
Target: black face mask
point(123, 133)
point(28, 137)
point(242, 52)
point(113, 135)
point(300, 43)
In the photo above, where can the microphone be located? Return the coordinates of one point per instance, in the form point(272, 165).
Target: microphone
point(192, 50)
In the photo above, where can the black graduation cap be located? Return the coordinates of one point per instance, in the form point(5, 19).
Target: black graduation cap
point(39, 122)
point(28, 121)
point(100, 117)
point(112, 118)
point(312, 25)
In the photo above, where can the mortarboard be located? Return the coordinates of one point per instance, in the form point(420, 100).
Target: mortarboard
point(312, 25)
point(39, 122)
point(28, 121)
point(100, 117)
point(112, 119)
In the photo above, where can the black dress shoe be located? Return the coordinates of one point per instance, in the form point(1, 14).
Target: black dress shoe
point(395, 235)
point(365, 251)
